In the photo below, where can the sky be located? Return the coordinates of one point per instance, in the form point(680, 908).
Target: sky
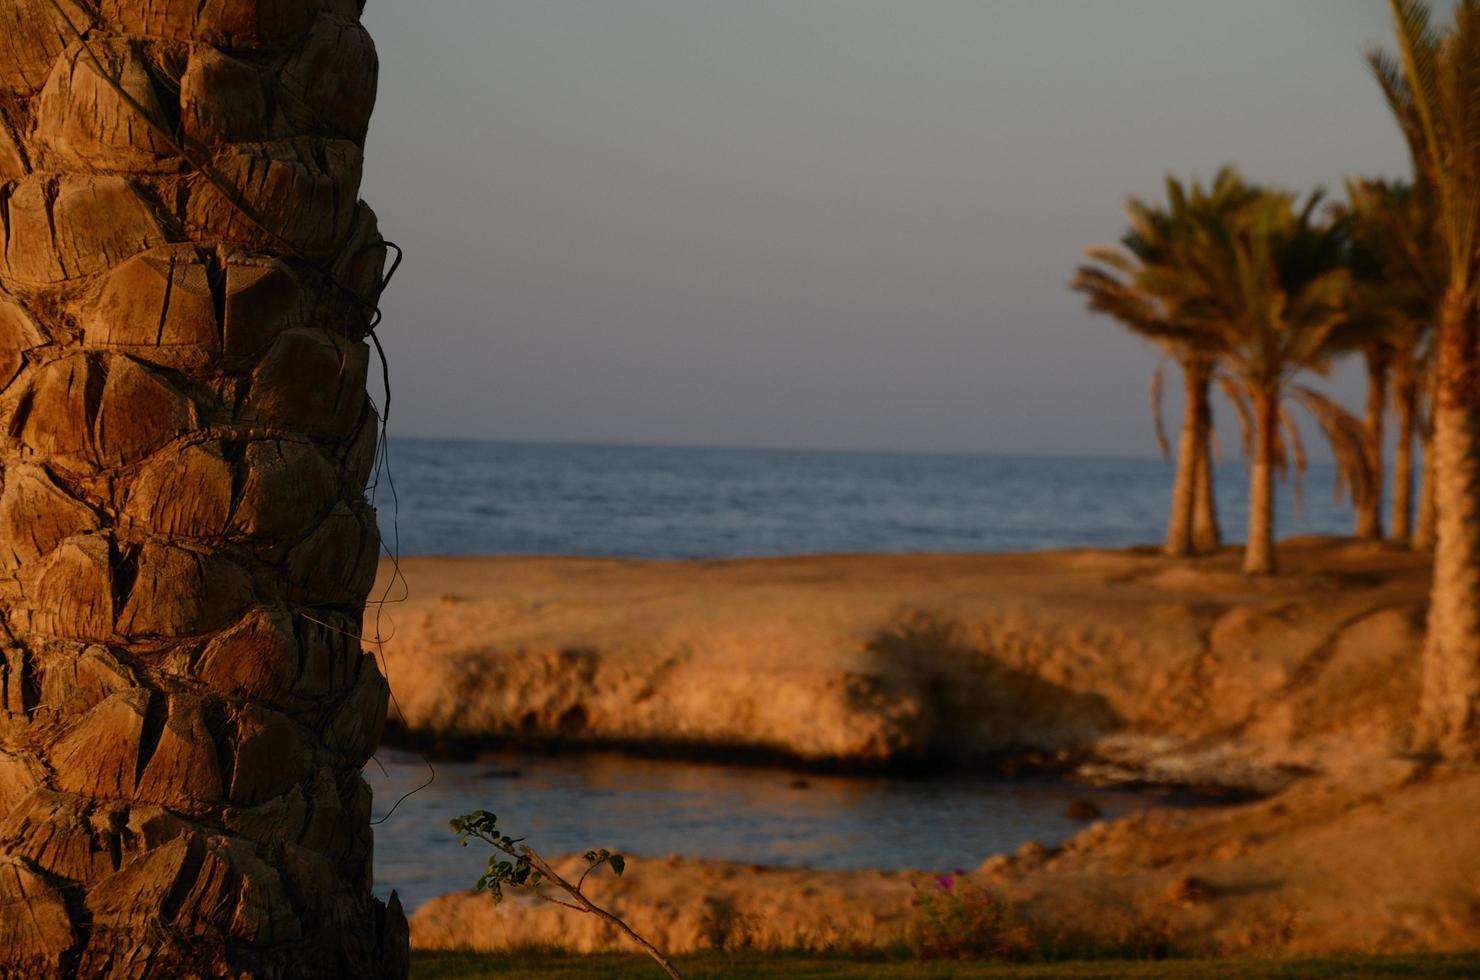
point(819, 223)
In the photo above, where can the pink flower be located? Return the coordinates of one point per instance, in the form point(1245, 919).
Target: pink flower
point(946, 882)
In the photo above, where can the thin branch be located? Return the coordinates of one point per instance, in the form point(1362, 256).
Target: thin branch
point(556, 901)
point(586, 905)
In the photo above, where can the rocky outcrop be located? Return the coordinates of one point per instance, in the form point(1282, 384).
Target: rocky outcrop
point(1132, 665)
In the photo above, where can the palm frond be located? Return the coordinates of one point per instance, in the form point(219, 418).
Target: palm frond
point(1280, 452)
point(1418, 64)
point(1114, 257)
point(1298, 458)
point(1388, 72)
point(1433, 88)
point(1240, 401)
point(1347, 436)
point(1158, 385)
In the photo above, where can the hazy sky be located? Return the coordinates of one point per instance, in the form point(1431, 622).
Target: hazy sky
point(818, 223)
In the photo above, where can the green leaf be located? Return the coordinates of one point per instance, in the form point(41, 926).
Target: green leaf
point(618, 863)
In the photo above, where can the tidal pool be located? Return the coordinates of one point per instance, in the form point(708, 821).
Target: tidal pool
point(752, 814)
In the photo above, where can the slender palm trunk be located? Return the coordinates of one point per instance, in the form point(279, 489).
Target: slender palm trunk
point(1425, 531)
point(1206, 534)
point(1450, 700)
point(1405, 399)
point(1259, 556)
point(185, 548)
point(1191, 448)
point(1368, 503)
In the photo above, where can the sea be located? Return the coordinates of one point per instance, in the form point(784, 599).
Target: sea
point(471, 498)
point(445, 497)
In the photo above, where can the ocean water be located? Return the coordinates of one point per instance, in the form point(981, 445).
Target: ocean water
point(664, 502)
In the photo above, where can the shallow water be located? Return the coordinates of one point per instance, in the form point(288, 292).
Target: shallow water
point(752, 814)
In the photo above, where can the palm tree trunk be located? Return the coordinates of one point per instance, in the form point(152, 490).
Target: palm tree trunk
point(1405, 398)
point(185, 548)
point(1179, 542)
point(1425, 531)
point(1368, 504)
point(1259, 556)
point(1206, 534)
point(1450, 700)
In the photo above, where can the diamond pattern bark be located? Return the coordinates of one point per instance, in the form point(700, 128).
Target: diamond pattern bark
point(186, 282)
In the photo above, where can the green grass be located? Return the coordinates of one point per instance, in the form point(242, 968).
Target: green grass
point(740, 966)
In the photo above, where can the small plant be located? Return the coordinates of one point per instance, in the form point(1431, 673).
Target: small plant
point(956, 921)
point(529, 870)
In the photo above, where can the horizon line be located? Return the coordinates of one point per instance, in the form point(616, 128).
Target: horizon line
point(834, 450)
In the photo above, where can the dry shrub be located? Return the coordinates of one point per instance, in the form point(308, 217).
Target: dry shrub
point(958, 921)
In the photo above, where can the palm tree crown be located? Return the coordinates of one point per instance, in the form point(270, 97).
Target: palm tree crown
point(1143, 285)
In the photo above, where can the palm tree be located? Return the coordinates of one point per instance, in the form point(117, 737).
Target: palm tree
point(1270, 278)
point(1433, 88)
point(1397, 265)
point(186, 289)
point(1142, 285)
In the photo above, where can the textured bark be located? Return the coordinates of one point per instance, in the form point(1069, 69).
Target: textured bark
point(1206, 534)
point(1425, 531)
point(185, 549)
point(1188, 515)
point(1405, 402)
point(1184, 486)
point(1259, 551)
point(1368, 502)
point(1450, 705)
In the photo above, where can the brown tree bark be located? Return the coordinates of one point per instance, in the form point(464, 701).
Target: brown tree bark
point(1450, 699)
point(185, 548)
point(1425, 527)
point(1368, 503)
point(1206, 534)
point(1179, 542)
point(1259, 557)
point(1405, 402)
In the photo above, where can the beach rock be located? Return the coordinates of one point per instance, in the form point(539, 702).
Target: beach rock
point(1137, 667)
